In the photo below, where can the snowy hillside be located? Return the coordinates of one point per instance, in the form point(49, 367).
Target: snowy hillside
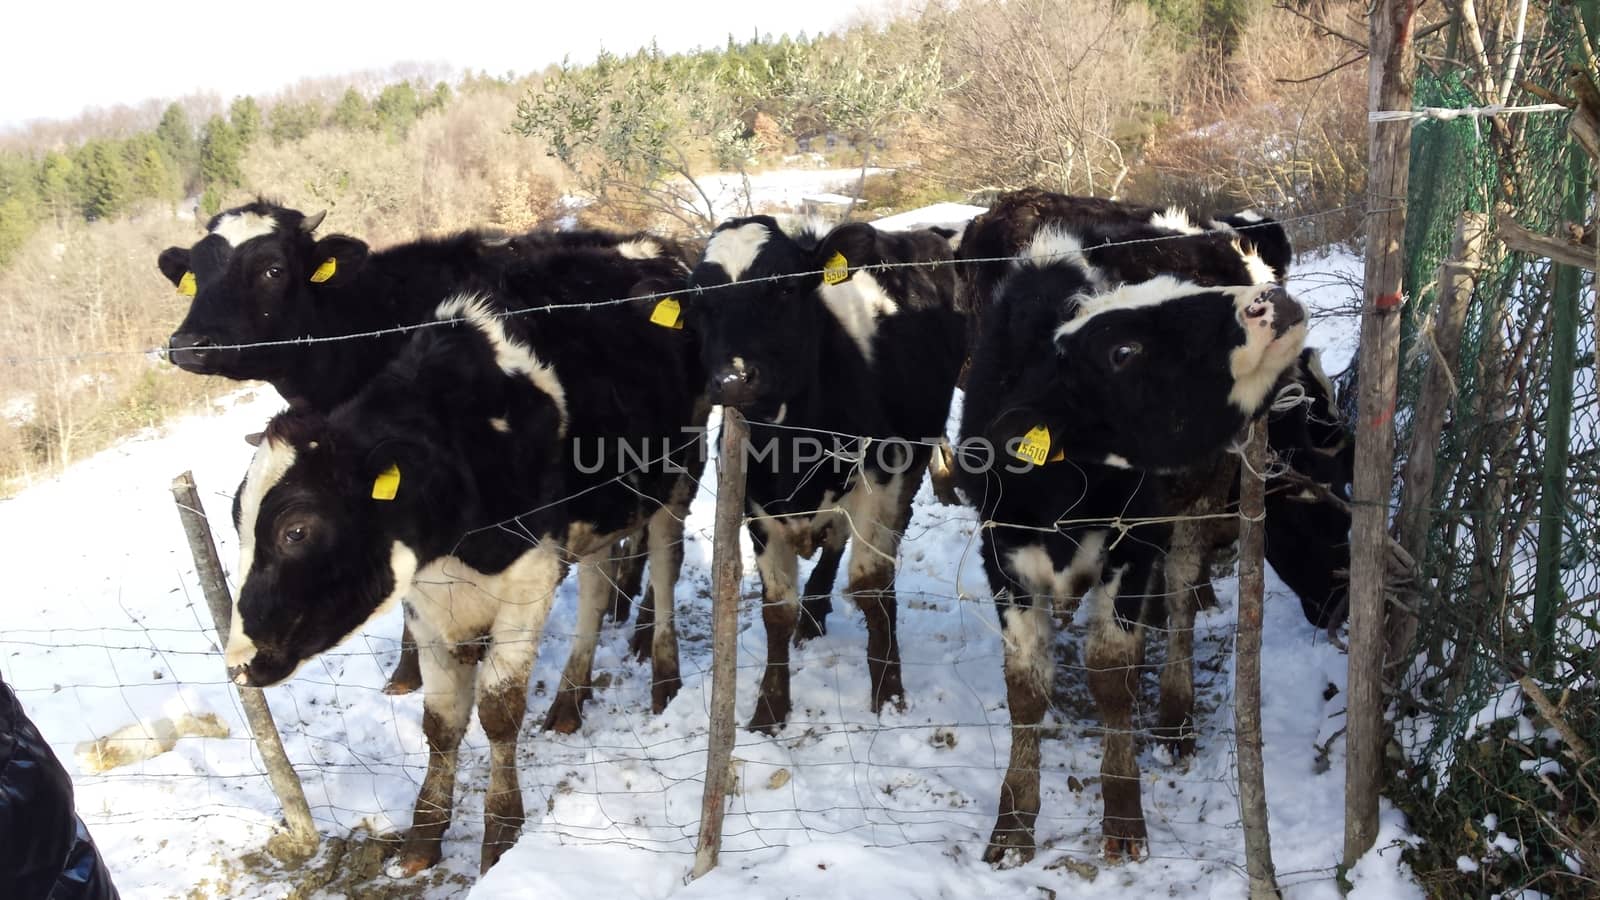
point(105, 626)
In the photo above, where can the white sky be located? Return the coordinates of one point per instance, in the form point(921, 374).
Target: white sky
point(60, 59)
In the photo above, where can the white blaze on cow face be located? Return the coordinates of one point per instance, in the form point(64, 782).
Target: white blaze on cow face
point(271, 462)
point(858, 304)
point(513, 357)
point(1154, 292)
point(236, 228)
point(736, 249)
point(1257, 363)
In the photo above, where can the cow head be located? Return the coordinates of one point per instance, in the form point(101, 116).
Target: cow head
point(256, 277)
point(1153, 375)
point(760, 321)
point(326, 539)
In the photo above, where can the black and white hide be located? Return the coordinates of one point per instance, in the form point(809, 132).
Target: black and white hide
point(479, 464)
point(844, 363)
point(1104, 387)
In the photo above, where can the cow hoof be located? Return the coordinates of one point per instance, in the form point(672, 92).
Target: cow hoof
point(1011, 844)
point(566, 713)
point(621, 606)
point(496, 841)
point(414, 857)
point(639, 645)
point(1125, 847)
point(768, 719)
point(809, 627)
point(407, 675)
point(1179, 740)
point(662, 690)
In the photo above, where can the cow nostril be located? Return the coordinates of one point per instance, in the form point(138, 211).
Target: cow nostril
point(1255, 310)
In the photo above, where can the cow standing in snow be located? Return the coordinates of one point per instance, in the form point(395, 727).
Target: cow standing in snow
point(1116, 360)
point(261, 281)
point(845, 371)
point(466, 476)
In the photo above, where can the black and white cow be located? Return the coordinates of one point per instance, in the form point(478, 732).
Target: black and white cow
point(1307, 527)
point(846, 379)
point(466, 477)
point(260, 275)
point(1119, 374)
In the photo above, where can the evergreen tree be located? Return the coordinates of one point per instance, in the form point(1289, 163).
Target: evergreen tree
point(104, 180)
point(177, 137)
point(57, 185)
point(153, 178)
point(245, 117)
point(221, 152)
point(16, 224)
point(293, 121)
point(352, 112)
point(396, 108)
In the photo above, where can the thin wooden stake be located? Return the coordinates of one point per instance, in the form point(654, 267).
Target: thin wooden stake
point(1247, 666)
point(302, 840)
point(1458, 276)
point(726, 572)
point(1391, 73)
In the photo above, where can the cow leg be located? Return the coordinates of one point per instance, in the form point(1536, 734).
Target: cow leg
point(780, 604)
point(942, 474)
point(1184, 570)
point(817, 602)
point(407, 674)
point(596, 577)
point(446, 707)
point(666, 562)
point(1116, 643)
point(640, 643)
point(878, 517)
point(1029, 667)
point(630, 576)
point(503, 694)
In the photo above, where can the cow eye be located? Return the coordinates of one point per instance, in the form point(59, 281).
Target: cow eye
point(273, 272)
point(294, 534)
point(1122, 354)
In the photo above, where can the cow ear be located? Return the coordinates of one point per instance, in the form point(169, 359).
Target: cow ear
point(336, 259)
point(174, 263)
point(846, 249)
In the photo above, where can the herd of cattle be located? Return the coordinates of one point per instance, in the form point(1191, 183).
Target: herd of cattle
point(447, 457)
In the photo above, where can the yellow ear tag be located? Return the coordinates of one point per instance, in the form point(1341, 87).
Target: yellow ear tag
point(186, 285)
point(387, 484)
point(1035, 446)
point(325, 271)
point(668, 314)
point(836, 269)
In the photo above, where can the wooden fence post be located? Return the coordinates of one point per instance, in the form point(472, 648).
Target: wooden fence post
point(1391, 74)
point(1458, 276)
point(302, 839)
point(1247, 666)
point(726, 572)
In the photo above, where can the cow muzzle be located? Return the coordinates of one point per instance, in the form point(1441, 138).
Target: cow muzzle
point(737, 384)
point(191, 352)
point(1278, 308)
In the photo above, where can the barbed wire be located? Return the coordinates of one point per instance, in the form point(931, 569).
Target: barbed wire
point(606, 302)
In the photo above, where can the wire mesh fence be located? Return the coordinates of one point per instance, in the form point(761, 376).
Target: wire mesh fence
point(922, 777)
point(1511, 573)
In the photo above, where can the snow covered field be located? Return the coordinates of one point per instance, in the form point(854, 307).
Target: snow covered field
point(105, 626)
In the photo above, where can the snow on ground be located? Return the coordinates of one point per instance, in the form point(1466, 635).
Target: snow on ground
point(106, 626)
point(780, 190)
